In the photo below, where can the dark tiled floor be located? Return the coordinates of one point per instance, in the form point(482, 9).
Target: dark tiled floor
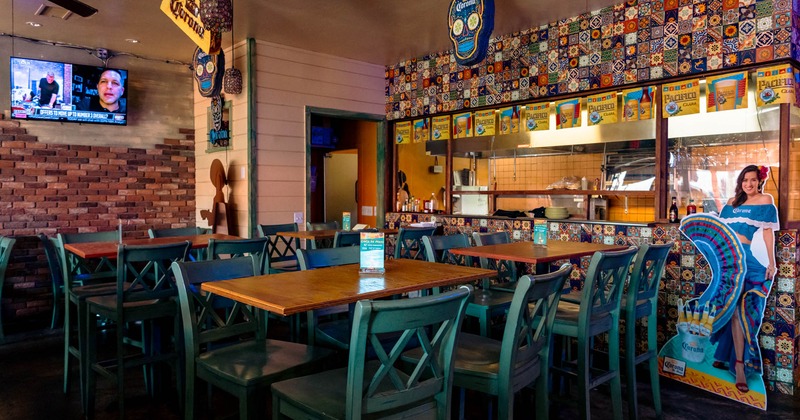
point(30, 388)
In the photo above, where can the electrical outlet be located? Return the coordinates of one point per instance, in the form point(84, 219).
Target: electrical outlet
point(298, 218)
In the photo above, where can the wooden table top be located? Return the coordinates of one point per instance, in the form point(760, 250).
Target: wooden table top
point(88, 250)
point(299, 291)
point(528, 252)
point(324, 234)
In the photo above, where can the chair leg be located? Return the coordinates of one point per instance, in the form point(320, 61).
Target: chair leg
point(630, 367)
point(654, 379)
point(613, 366)
point(67, 332)
point(583, 376)
point(120, 371)
point(91, 377)
point(484, 321)
point(462, 397)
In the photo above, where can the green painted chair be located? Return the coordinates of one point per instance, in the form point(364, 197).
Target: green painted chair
point(329, 327)
point(501, 368)
point(281, 251)
point(323, 243)
point(82, 280)
point(228, 349)
point(598, 313)
point(506, 270)
point(145, 293)
point(641, 302)
point(6, 244)
point(409, 242)
point(56, 278)
point(485, 303)
point(195, 254)
point(343, 238)
point(382, 387)
point(234, 248)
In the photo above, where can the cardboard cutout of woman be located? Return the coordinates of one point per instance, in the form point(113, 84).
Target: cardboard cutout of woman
point(716, 347)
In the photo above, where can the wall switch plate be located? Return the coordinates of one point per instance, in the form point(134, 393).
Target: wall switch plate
point(298, 218)
point(366, 210)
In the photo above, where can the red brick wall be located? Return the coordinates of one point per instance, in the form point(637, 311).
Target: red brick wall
point(51, 188)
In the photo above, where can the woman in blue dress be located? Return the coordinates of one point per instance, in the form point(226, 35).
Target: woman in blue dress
point(754, 218)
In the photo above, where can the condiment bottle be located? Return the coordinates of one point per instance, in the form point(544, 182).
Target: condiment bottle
point(673, 211)
point(584, 184)
point(434, 204)
point(691, 208)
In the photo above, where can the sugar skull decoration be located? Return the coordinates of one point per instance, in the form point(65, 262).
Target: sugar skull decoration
point(208, 70)
point(471, 24)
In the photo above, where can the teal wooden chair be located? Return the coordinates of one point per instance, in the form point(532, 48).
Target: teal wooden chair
point(6, 244)
point(346, 239)
point(228, 349)
point(382, 387)
point(485, 303)
point(598, 313)
point(194, 254)
point(82, 280)
point(506, 270)
point(329, 327)
point(145, 293)
point(409, 242)
point(281, 251)
point(640, 302)
point(501, 368)
point(322, 243)
point(234, 248)
point(56, 278)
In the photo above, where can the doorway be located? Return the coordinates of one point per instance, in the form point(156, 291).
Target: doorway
point(346, 161)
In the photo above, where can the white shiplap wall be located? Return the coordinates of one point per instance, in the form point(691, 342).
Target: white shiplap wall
point(288, 80)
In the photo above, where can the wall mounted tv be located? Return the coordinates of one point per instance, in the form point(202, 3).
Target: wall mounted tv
point(54, 91)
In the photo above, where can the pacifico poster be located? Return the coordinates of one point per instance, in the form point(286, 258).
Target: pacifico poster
point(421, 130)
point(602, 108)
point(484, 123)
point(402, 132)
point(536, 117)
point(707, 349)
point(462, 125)
point(775, 85)
point(637, 104)
point(681, 98)
point(568, 113)
point(509, 119)
point(440, 128)
point(726, 92)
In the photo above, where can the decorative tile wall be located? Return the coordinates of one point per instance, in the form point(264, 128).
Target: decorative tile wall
point(631, 42)
point(686, 276)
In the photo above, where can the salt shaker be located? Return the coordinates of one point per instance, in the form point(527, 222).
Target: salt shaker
point(584, 184)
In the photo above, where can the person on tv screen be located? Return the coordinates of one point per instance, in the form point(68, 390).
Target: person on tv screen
point(48, 90)
point(110, 88)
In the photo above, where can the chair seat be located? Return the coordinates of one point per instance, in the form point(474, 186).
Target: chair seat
point(85, 292)
point(322, 395)
point(106, 306)
point(281, 266)
point(643, 307)
point(491, 298)
point(255, 363)
point(566, 322)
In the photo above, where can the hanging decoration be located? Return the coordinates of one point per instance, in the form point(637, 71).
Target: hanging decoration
point(186, 15)
point(232, 81)
point(471, 23)
point(217, 15)
point(208, 72)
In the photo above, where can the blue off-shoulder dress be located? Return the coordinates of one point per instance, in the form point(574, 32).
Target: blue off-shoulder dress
point(748, 221)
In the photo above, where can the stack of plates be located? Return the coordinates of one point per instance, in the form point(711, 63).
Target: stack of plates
point(556, 213)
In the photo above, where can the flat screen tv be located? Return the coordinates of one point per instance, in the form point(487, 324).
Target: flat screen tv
point(54, 91)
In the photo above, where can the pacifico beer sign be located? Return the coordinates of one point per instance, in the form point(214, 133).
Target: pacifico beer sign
point(471, 23)
point(186, 14)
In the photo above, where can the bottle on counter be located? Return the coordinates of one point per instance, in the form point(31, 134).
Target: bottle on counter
point(597, 184)
point(433, 203)
point(645, 105)
point(584, 184)
point(673, 211)
point(691, 208)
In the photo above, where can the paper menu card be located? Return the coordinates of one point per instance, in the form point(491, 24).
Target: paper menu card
point(372, 252)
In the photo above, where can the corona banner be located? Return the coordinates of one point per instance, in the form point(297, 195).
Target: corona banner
point(186, 14)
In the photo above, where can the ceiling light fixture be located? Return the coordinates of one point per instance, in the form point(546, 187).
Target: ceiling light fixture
point(232, 79)
point(34, 24)
point(132, 40)
point(217, 15)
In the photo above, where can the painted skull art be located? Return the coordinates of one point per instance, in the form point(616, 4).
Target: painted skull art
point(208, 70)
point(471, 24)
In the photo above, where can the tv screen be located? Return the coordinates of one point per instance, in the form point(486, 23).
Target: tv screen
point(54, 91)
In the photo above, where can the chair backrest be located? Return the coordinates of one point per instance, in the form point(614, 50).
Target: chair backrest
point(648, 268)
point(437, 249)
point(143, 272)
point(506, 270)
point(202, 321)
point(234, 248)
point(184, 231)
point(602, 290)
point(280, 249)
point(529, 325)
point(346, 239)
point(391, 387)
point(6, 244)
point(53, 263)
point(409, 242)
point(309, 259)
point(322, 226)
point(78, 270)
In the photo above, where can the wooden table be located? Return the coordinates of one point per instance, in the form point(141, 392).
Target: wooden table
point(324, 234)
point(88, 250)
point(527, 252)
point(300, 291)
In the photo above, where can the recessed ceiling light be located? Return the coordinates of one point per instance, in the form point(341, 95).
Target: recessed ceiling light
point(132, 41)
point(34, 24)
